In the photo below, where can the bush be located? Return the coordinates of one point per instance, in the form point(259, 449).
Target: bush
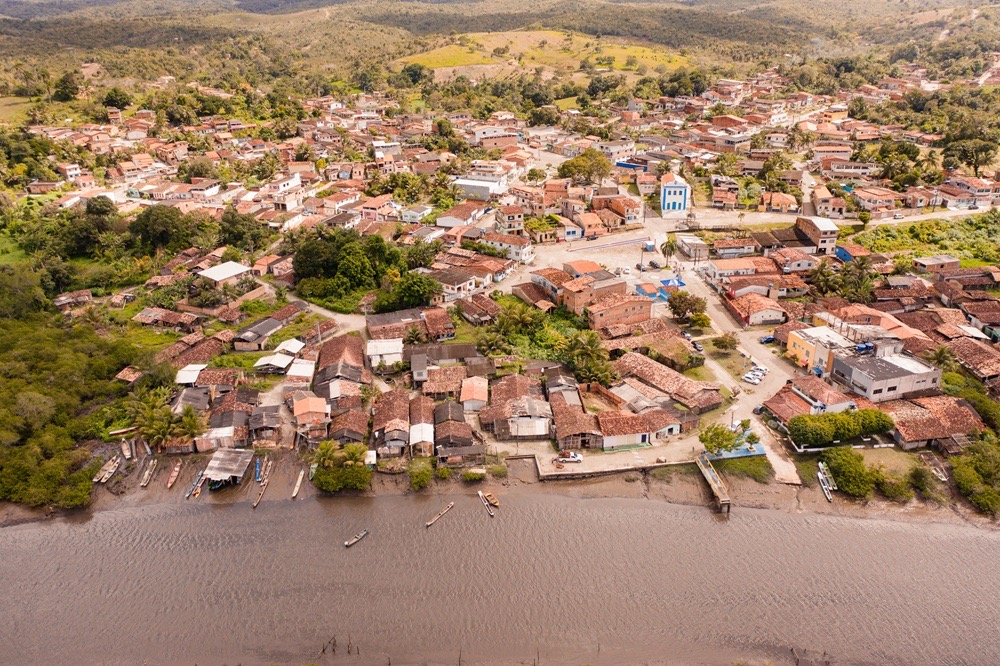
point(443, 473)
point(848, 467)
point(351, 477)
point(921, 479)
point(420, 477)
point(751, 467)
point(893, 488)
point(469, 476)
point(497, 471)
point(816, 431)
point(977, 475)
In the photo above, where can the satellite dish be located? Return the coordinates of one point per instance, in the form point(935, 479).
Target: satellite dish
point(344, 175)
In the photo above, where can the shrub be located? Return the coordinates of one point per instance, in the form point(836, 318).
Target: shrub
point(443, 473)
point(921, 479)
point(349, 477)
point(420, 477)
point(815, 431)
point(848, 467)
point(469, 476)
point(892, 488)
point(498, 471)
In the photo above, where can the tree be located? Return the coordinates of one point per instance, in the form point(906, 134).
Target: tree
point(700, 320)
point(590, 166)
point(242, 231)
point(191, 424)
point(864, 217)
point(117, 98)
point(100, 206)
point(668, 248)
point(848, 468)
point(973, 153)
point(415, 336)
point(683, 304)
point(942, 357)
point(67, 87)
point(160, 226)
point(534, 175)
point(21, 291)
point(823, 278)
point(726, 342)
point(717, 438)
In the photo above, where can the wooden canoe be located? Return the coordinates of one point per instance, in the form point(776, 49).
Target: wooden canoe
point(443, 511)
point(197, 480)
point(263, 487)
point(492, 499)
point(147, 476)
point(489, 509)
point(298, 484)
point(174, 474)
point(105, 469)
point(126, 449)
point(356, 538)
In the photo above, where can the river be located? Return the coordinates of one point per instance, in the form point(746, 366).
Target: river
point(551, 578)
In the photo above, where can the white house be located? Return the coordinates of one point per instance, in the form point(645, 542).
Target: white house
point(516, 248)
point(675, 193)
point(388, 351)
point(414, 214)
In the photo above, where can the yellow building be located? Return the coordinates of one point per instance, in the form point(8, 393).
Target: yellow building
point(815, 347)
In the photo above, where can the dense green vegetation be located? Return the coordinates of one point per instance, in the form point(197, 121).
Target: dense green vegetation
point(973, 237)
point(341, 468)
point(54, 378)
point(814, 431)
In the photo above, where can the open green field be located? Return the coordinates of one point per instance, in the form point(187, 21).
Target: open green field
point(13, 109)
point(552, 49)
point(10, 253)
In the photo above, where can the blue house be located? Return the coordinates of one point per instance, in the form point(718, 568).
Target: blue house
point(675, 193)
point(849, 252)
point(647, 289)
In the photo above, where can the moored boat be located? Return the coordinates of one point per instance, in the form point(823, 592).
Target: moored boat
point(492, 499)
point(115, 464)
point(105, 468)
point(149, 451)
point(443, 511)
point(197, 489)
point(312, 470)
point(298, 484)
point(194, 484)
point(126, 449)
point(486, 503)
point(173, 475)
point(263, 487)
point(256, 469)
point(356, 538)
point(147, 476)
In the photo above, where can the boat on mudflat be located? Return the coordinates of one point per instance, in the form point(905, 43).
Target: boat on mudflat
point(147, 476)
point(356, 538)
point(127, 449)
point(492, 499)
point(260, 496)
point(298, 484)
point(106, 469)
point(486, 503)
point(173, 475)
point(194, 484)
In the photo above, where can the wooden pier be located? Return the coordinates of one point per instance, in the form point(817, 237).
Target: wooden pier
point(715, 483)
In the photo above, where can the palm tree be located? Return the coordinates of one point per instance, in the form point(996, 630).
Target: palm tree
point(582, 347)
point(823, 278)
point(943, 357)
point(161, 430)
point(191, 423)
point(414, 336)
point(668, 248)
point(354, 454)
point(491, 343)
point(327, 455)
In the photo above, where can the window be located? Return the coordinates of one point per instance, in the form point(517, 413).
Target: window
point(876, 391)
point(891, 389)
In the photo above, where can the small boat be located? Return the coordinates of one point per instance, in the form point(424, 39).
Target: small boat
point(131, 446)
point(443, 511)
point(298, 484)
point(312, 470)
point(256, 470)
point(486, 503)
point(263, 487)
point(825, 485)
point(356, 538)
point(149, 451)
point(147, 476)
point(126, 449)
point(197, 489)
point(267, 471)
point(823, 467)
point(492, 499)
point(105, 470)
point(173, 475)
point(194, 484)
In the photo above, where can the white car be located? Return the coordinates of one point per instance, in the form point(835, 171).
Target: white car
point(570, 457)
point(752, 379)
point(627, 271)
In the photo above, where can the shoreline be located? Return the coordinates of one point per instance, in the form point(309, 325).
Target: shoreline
point(679, 485)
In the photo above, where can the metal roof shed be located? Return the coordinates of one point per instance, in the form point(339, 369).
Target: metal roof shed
point(228, 464)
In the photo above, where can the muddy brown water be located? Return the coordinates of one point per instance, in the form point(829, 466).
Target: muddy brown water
point(550, 580)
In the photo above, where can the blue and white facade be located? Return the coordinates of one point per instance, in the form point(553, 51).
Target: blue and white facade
point(675, 193)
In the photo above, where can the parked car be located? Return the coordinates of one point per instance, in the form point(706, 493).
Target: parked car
point(626, 271)
point(698, 346)
point(640, 268)
point(653, 265)
point(758, 409)
point(569, 457)
point(590, 238)
point(897, 216)
point(767, 339)
point(686, 335)
point(974, 207)
point(752, 379)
